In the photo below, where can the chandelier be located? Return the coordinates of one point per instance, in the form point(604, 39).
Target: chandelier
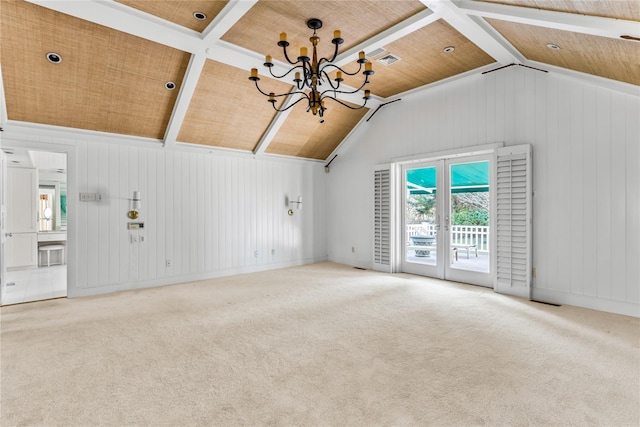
point(312, 73)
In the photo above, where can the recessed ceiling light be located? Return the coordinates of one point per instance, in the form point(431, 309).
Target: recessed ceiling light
point(199, 16)
point(170, 85)
point(448, 49)
point(54, 58)
point(553, 46)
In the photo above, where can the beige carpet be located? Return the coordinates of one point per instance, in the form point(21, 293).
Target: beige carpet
point(318, 345)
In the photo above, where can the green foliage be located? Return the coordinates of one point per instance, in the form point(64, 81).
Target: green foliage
point(423, 203)
point(463, 215)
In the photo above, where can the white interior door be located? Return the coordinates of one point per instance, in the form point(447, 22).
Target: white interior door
point(3, 227)
point(446, 219)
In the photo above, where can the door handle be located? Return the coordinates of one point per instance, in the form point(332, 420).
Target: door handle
point(8, 234)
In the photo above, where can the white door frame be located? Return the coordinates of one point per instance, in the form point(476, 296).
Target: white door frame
point(71, 248)
point(484, 152)
point(3, 227)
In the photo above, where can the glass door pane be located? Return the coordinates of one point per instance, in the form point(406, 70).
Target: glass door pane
point(468, 220)
point(422, 254)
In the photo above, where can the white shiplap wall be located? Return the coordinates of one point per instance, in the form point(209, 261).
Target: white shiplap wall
point(586, 174)
point(207, 212)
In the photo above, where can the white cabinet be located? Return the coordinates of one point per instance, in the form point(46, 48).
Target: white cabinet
point(22, 225)
point(22, 250)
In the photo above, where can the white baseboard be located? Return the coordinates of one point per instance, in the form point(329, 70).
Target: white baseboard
point(352, 262)
point(594, 303)
point(74, 292)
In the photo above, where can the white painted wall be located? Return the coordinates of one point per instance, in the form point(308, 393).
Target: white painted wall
point(208, 213)
point(586, 172)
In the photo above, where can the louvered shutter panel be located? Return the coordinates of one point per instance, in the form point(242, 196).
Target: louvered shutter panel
point(382, 220)
point(513, 221)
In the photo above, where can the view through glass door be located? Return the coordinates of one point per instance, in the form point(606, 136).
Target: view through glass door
point(447, 219)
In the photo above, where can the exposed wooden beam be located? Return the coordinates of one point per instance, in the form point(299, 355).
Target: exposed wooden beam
point(3, 102)
point(129, 20)
point(227, 18)
point(404, 28)
point(474, 31)
point(187, 89)
point(275, 125)
point(594, 25)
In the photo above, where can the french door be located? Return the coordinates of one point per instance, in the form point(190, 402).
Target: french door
point(446, 219)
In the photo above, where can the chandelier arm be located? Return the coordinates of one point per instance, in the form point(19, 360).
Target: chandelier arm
point(346, 105)
point(285, 74)
point(284, 49)
point(279, 95)
point(343, 71)
point(308, 76)
point(346, 92)
point(285, 109)
point(335, 54)
point(333, 88)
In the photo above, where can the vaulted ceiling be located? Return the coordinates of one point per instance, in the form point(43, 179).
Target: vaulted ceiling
point(118, 56)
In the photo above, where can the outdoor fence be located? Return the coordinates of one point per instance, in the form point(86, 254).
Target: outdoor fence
point(460, 234)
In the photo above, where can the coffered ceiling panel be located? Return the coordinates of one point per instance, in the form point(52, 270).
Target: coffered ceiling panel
point(620, 9)
point(227, 110)
point(259, 29)
point(615, 59)
point(302, 134)
point(422, 60)
point(106, 81)
point(181, 12)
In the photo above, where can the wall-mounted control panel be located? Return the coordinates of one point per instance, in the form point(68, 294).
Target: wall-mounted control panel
point(90, 197)
point(135, 225)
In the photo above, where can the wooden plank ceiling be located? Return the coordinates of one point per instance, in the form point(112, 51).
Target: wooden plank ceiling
point(117, 57)
point(193, 14)
point(107, 80)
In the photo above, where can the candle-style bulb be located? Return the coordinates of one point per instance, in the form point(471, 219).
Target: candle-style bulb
point(336, 34)
point(283, 37)
point(254, 72)
point(303, 51)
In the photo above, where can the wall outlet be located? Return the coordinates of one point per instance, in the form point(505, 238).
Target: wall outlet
point(353, 249)
point(168, 263)
point(255, 254)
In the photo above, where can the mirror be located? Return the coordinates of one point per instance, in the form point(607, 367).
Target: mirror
point(47, 204)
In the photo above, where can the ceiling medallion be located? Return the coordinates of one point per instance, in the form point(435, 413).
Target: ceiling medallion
point(311, 73)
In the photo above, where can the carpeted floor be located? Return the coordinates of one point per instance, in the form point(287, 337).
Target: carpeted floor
point(317, 345)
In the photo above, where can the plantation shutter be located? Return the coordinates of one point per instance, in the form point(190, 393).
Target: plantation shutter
point(382, 220)
point(513, 220)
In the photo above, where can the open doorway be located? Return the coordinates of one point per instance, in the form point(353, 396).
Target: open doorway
point(35, 231)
